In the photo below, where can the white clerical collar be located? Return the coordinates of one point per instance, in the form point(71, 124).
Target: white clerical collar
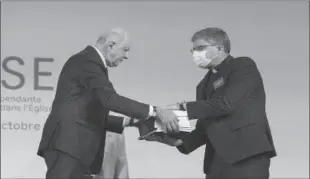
point(101, 56)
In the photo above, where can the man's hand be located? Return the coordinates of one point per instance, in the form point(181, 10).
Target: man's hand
point(168, 119)
point(181, 105)
point(165, 140)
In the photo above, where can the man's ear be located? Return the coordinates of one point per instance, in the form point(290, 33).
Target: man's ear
point(111, 45)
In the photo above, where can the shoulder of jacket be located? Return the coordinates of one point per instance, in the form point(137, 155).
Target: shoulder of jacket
point(243, 61)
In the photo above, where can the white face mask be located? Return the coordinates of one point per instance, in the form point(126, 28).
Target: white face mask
point(200, 58)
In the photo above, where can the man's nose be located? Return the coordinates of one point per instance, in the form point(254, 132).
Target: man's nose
point(126, 56)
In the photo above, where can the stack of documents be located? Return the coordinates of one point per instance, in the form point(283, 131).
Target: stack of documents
point(152, 127)
point(185, 125)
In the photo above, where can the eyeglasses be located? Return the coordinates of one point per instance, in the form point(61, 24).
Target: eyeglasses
point(200, 48)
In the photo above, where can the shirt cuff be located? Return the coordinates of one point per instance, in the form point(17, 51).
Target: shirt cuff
point(124, 122)
point(151, 112)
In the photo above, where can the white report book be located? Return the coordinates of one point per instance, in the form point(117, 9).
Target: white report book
point(184, 123)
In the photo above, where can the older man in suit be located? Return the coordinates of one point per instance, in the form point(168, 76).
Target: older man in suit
point(230, 108)
point(73, 137)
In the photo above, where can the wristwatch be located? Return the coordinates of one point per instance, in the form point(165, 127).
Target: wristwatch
point(131, 121)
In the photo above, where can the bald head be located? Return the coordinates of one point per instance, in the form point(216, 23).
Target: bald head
point(114, 44)
point(115, 35)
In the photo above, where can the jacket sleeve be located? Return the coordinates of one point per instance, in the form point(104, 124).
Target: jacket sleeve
point(115, 124)
point(193, 140)
point(95, 79)
point(243, 78)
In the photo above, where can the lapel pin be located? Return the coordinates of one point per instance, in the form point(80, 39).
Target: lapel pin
point(218, 83)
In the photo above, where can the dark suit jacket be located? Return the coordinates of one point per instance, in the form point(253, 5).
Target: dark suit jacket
point(230, 108)
point(78, 120)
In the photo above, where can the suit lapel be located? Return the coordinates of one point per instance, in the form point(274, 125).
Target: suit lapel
point(200, 92)
point(201, 88)
point(219, 78)
point(208, 86)
point(94, 56)
point(106, 72)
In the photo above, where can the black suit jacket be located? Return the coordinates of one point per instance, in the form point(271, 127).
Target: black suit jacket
point(79, 117)
point(230, 108)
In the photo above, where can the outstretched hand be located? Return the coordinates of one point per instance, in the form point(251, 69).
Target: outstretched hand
point(168, 120)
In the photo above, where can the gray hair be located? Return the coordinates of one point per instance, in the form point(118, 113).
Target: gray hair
point(111, 34)
point(215, 36)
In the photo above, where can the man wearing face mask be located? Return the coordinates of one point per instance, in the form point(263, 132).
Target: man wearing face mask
point(73, 138)
point(230, 108)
